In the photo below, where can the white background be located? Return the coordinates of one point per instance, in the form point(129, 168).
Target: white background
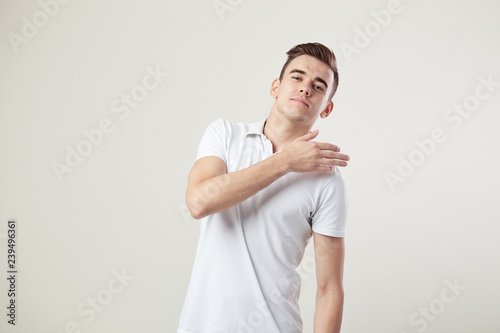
point(121, 209)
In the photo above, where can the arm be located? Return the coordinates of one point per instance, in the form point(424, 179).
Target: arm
point(329, 258)
point(211, 189)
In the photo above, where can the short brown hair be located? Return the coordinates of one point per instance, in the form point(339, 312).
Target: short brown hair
point(318, 51)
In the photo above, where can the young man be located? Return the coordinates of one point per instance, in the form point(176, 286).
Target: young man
point(262, 190)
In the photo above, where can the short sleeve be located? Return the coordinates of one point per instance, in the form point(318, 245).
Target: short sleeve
point(214, 141)
point(331, 215)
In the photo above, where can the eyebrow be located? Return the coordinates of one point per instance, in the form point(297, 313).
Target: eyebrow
point(303, 72)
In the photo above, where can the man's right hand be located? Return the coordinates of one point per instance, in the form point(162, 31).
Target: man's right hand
point(302, 155)
point(211, 189)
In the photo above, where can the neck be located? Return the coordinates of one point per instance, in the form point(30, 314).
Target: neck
point(281, 131)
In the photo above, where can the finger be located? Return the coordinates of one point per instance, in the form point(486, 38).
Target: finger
point(332, 155)
point(333, 162)
point(328, 146)
point(324, 168)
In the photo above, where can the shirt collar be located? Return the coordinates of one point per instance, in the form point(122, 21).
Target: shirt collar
point(256, 128)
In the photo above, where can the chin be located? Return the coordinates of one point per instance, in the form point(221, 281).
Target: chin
point(296, 116)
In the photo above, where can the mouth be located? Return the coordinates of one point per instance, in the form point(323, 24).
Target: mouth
point(301, 101)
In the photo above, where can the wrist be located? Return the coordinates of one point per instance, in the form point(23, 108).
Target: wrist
point(280, 163)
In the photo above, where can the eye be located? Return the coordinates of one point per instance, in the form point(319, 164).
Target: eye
point(295, 78)
point(320, 88)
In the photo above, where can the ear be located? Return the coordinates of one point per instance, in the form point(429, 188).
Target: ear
point(326, 112)
point(274, 88)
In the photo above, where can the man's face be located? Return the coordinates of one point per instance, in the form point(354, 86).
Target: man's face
point(302, 94)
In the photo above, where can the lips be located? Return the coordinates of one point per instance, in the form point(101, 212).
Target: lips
point(301, 101)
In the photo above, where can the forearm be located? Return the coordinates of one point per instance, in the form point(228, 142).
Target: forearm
point(224, 191)
point(211, 189)
point(328, 313)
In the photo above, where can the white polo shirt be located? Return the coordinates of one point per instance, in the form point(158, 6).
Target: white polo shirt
point(244, 277)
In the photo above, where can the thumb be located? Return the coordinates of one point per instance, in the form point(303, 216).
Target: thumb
point(309, 136)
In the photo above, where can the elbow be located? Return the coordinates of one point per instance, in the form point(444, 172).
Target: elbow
point(330, 290)
point(196, 214)
point(196, 207)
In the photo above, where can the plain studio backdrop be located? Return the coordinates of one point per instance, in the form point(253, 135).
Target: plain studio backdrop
point(103, 104)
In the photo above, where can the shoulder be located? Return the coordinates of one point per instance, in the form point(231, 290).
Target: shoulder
point(219, 124)
point(335, 177)
point(318, 187)
point(222, 125)
point(325, 186)
point(219, 128)
point(334, 182)
point(322, 180)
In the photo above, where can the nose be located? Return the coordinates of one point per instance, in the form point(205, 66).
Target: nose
point(305, 90)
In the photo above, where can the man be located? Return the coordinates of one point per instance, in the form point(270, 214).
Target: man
point(262, 190)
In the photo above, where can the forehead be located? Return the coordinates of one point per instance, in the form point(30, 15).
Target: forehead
point(312, 66)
